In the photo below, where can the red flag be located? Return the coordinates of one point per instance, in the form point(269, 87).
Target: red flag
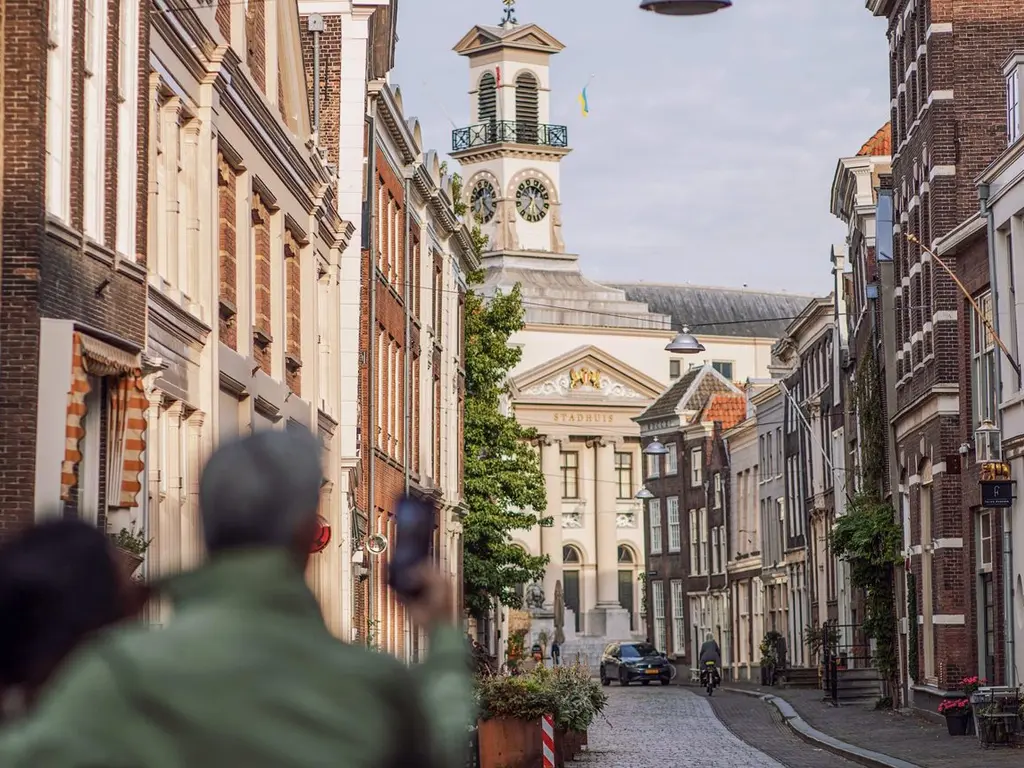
point(497, 72)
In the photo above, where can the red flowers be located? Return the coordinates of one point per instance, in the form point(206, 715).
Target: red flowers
point(953, 707)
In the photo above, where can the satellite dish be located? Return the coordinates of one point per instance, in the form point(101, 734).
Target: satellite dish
point(376, 544)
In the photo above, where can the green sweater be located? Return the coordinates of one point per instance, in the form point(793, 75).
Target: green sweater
point(247, 675)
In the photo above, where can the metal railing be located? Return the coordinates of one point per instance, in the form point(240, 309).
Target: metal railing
point(846, 649)
point(511, 132)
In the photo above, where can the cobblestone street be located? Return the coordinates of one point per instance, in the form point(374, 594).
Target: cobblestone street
point(676, 728)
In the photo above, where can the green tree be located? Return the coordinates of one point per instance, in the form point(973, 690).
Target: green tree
point(503, 485)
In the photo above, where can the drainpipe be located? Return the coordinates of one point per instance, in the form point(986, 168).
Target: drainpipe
point(1010, 671)
point(315, 24)
point(407, 366)
point(370, 440)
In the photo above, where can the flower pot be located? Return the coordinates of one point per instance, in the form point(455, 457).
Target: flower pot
point(510, 743)
point(127, 562)
point(957, 725)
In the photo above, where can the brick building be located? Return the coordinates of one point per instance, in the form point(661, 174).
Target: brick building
point(73, 259)
point(244, 266)
point(948, 124)
point(686, 538)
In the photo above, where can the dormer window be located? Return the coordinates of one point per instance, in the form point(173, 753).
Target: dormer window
point(1013, 96)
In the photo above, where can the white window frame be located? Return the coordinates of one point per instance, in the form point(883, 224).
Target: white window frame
point(671, 460)
point(58, 118)
point(678, 597)
point(1013, 105)
point(658, 605)
point(694, 543)
point(983, 566)
point(696, 467)
point(653, 466)
point(674, 533)
point(94, 124)
point(718, 490)
point(127, 130)
point(654, 524)
point(702, 521)
point(715, 553)
point(983, 362)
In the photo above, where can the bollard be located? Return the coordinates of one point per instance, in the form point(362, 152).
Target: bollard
point(547, 724)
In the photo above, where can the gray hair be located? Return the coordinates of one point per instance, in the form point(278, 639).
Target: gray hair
point(261, 490)
point(710, 638)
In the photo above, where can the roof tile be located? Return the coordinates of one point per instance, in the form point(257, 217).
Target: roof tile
point(878, 145)
point(725, 407)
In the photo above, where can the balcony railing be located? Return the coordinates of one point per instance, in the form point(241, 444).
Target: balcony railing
point(509, 131)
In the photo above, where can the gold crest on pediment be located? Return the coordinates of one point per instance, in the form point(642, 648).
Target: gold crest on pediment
point(584, 377)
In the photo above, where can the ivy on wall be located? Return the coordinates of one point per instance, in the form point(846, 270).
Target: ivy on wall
point(912, 630)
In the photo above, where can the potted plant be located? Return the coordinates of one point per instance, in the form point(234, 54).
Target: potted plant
point(769, 657)
point(130, 549)
point(957, 713)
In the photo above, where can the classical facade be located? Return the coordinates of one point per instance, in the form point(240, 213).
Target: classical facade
point(593, 355)
point(73, 260)
point(245, 244)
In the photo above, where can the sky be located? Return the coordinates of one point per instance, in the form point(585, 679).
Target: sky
point(712, 142)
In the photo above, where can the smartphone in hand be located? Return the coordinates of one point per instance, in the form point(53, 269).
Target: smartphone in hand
point(414, 521)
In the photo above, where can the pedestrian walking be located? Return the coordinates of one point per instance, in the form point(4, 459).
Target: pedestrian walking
point(556, 653)
point(60, 584)
point(246, 672)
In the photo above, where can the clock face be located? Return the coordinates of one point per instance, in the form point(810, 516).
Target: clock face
point(532, 200)
point(483, 202)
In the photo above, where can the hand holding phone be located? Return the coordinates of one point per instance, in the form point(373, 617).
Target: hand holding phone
point(414, 521)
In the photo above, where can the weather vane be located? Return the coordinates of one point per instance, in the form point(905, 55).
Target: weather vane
point(510, 12)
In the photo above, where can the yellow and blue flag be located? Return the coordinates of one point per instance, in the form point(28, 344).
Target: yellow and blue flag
point(584, 103)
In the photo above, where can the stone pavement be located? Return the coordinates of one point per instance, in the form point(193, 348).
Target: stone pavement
point(910, 738)
point(673, 727)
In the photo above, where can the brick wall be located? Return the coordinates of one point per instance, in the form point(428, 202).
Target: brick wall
point(262, 327)
point(330, 80)
point(39, 275)
point(293, 314)
point(227, 184)
point(256, 42)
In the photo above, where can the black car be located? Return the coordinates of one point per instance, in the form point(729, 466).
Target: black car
point(631, 661)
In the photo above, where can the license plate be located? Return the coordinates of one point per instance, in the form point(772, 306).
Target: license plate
point(652, 671)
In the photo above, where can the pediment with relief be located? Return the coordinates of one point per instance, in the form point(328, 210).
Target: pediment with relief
point(586, 374)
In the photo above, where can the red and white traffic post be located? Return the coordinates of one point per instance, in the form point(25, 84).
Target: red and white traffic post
point(547, 725)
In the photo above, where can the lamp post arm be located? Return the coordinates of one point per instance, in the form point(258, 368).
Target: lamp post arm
point(965, 292)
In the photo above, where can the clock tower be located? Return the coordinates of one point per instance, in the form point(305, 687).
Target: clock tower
point(510, 152)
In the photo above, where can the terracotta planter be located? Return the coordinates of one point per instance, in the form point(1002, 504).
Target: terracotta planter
point(508, 743)
point(127, 562)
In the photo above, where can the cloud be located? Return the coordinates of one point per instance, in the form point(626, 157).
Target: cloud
point(716, 136)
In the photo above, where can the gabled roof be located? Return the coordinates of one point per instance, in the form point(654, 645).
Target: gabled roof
point(691, 393)
point(727, 408)
point(528, 37)
point(878, 145)
point(617, 381)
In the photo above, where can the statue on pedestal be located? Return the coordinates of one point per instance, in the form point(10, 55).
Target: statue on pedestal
point(534, 597)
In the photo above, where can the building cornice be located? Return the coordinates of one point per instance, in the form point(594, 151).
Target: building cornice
point(510, 150)
point(390, 113)
point(962, 235)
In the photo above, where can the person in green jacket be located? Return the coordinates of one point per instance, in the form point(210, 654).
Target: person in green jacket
point(246, 673)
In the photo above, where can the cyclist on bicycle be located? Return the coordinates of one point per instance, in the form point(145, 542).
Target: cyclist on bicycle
point(710, 659)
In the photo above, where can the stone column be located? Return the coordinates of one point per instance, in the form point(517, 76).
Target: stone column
point(606, 525)
point(551, 538)
point(175, 501)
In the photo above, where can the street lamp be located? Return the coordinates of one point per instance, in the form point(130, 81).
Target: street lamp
point(684, 7)
point(685, 343)
point(655, 448)
point(643, 493)
point(987, 445)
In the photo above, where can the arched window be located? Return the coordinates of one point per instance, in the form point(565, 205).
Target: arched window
point(527, 109)
point(571, 555)
point(626, 555)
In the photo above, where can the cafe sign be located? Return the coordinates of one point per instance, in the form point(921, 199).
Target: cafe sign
point(996, 485)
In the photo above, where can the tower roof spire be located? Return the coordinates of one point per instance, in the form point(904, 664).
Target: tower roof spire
point(509, 19)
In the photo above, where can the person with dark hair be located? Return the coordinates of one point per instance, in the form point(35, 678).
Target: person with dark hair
point(246, 673)
point(59, 585)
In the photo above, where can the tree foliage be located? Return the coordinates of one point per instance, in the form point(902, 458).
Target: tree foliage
point(503, 485)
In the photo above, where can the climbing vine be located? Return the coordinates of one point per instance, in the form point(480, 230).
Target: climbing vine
point(873, 427)
point(912, 629)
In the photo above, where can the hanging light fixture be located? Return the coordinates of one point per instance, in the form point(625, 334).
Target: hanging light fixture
point(684, 7)
point(655, 448)
point(685, 343)
point(643, 493)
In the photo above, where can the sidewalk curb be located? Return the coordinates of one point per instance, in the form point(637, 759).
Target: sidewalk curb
point(820, 739)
